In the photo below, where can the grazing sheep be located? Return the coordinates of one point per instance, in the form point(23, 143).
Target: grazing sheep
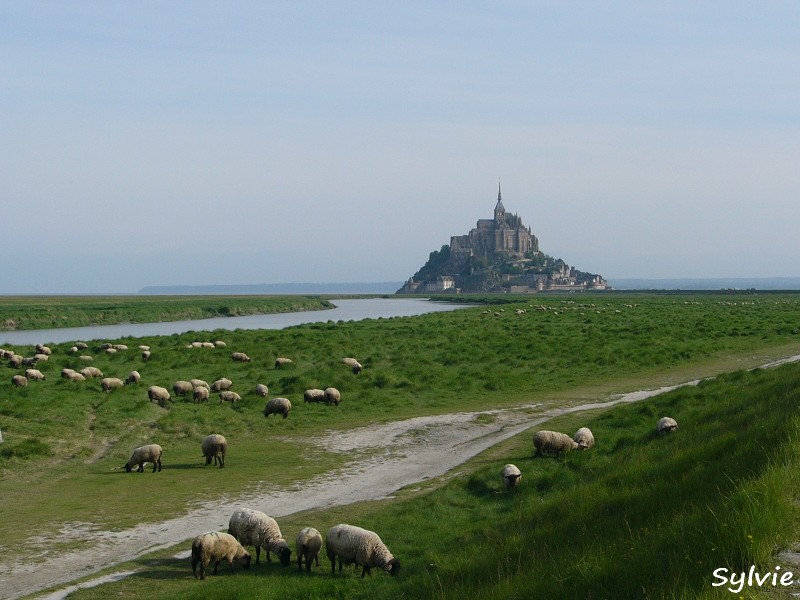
point(85, 358)
point(207, 345)
point(215, 447)
point(73, 350)
point(239, 356)
point(111, 383)
point(314, 395)
point(332, 396)
point(217, 546)
point(65, 372)
point(221, 384)
point(158, 394)
point(666, 425)
point(133, 377)
point(120, 347)
point(145, 454)
point(111, 350)
point(262, 390)
point(280, 406)
point(584, 438)
point(90, 372)
point(145, 355)
point(40, 349)
point(553, 442)
point(228, 396)
point(15, 361)
point(308, 544)
point(28, 361)
point(282, 362)
point(219, 344)
point(200, 394)
point(19, 380)
point(106, 346)
point(81, 345)
point(254, 528)
point(34, 375)
point(181, 388)
point(143, 348)
point(200, 383)
point(511, 476)
point(354, 365)
point(41, 357)
point(74, 376)
point(360, 546)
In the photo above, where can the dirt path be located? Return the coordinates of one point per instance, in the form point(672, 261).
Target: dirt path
point(400, 453)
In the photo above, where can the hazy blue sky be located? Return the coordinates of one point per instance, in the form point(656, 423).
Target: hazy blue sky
point(151, 143)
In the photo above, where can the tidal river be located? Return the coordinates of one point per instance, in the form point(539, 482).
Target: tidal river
point(346, 310)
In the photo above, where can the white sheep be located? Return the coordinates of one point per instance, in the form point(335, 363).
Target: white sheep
point(552, 442)
point(666, 425)
point(133, 377)
point(89, 372)
point(262, 390)
point(19, 381)
point(215, 447)
point(74, 376)
point(282, 362)
point(308, 544)
point(81, 345)
point(200, 383)
point(584, 437)
point(145, 454)
point(217, 546)
point(229, 396)
point(85, 358)
point(111, 383)
point(332, 396)
point(239, 356)
point(360, 546)
point(219, 344)
point(221, 384)
point(280, 406)
point(511, 476)
point(254, 528)
point(200, 394)
point(158, 394)
point(314, 395)
point(181, 388)
point(145, 355)
point(354, 365)
point(65, 372)
point(34, 375)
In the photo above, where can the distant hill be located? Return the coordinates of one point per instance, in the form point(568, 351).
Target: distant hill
point(375, 287)
point(719, 283)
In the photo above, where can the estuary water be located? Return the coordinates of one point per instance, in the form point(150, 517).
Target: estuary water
point(355, 309)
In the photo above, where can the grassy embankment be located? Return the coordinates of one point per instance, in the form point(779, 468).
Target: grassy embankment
point(63, 437)
point(49, 312)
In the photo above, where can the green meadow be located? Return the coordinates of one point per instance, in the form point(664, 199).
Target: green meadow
point(637, 516)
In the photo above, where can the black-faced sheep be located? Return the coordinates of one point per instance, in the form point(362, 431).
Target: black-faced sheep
point(354, 365)
point(133, 377)
point(511, 476)
point(217, 546)
point(145, 355)
point(111, 383)
point(215, 447)
point(278, 406)
point(145, 454)
point(200, 394)
point(308, 544)
point(282, 362)
point(332, 396)
point(158, 394)
point(553, 442)
point(360, 546)
point(666, 425)
point(584, 437)
point(254, 528)
point(261, 390)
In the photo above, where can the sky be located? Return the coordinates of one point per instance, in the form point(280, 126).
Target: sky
point(207, 142)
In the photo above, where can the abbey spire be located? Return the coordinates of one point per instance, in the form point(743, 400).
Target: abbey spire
point(499, 209)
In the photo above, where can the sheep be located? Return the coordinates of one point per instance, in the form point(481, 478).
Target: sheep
point(262, 390)
point(282, 362)
point(181, 388)
point(308, 544)
point(90, 372)
point(85, 358)
point(354, 365)
point(133, 377)
point(511, 476)
point(221, 384)
point(144, 347)
point(332, 396)
point(111, 383)
point(217, 546)
point(215, 447)
point(360, 546)
point(584, 437)
point(278, 406)
point(81, 345)
point(15, 361)
point(41, 357)
point(65, 372)
point(19, 380)
point(314, 395)
point(200, 383)
point(553, 442)
point(158, 394)
point(40, 349)
point(254, 528)
point(219, 344)
point(73, 350)
point(207, 345)
point(111, 350)
point(28, 361)
point(228, 396)
point(666, 425)
point(145, 355)
point(200, 394)
point(34, 375)
point(106, 346)
point(145, 454)
point(120, 347)
point(74, 376)
point(238, 356)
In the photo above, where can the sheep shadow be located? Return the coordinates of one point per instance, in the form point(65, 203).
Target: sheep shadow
point(163, 568)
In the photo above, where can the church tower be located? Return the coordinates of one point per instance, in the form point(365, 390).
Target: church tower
point(499, 209)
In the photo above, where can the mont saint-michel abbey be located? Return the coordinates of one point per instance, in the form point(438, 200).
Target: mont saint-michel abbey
point(498, 255)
